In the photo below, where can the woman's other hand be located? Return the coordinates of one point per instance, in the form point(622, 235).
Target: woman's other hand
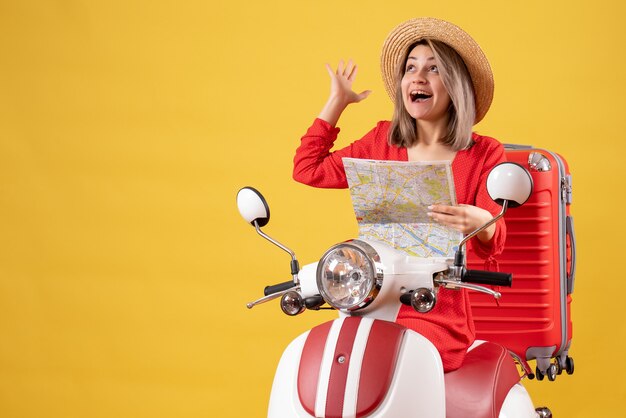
point(341, 93)
point(464, 218)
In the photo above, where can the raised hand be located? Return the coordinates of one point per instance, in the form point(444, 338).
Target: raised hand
point(341, 83)
point(341, 93)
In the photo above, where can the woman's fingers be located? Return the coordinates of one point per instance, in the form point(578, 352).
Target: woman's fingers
point(464, 218)
point(363, 95)
point(330, 70)
point(340, 67)
point(350, 70)
point(446, 219)
point(341, 83)
point(344, 70)
point(443, 209)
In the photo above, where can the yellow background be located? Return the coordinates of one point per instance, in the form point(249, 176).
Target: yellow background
point(127, 127)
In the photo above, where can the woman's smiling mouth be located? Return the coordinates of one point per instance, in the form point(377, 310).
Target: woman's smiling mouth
point(419, 95)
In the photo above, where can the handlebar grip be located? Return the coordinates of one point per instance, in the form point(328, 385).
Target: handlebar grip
point(487, 277)
point(278, 287)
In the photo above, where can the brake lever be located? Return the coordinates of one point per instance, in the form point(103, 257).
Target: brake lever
point(271, 296)
point(454, 284)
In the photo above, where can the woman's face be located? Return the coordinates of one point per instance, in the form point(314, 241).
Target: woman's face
point(424, 95)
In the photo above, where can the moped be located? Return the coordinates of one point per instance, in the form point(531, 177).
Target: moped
point(363, 364)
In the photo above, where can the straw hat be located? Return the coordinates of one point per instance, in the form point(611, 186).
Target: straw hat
point(406, 34)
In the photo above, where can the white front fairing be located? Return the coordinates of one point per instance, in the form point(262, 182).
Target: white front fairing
point(417, 387)
point(284, 400)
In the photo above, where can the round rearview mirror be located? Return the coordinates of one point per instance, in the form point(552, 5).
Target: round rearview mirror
point(252, 206)
point(509, 181)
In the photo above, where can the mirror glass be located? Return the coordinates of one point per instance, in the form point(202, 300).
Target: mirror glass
point(252, 206)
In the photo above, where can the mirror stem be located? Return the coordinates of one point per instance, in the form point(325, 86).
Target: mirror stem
point(295, 268)
point(459, 259)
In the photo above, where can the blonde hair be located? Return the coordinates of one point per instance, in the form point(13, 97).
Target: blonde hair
point(458, 83)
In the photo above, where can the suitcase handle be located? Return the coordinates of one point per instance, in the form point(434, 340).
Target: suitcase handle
point(517, 146)
point(487, 277)
point(569, 230)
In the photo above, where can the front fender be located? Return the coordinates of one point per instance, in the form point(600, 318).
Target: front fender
point(344, 364)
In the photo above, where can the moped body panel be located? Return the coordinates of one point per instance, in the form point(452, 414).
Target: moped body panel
point(355, 377)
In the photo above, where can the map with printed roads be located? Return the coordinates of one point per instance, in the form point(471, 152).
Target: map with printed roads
point(391, 199)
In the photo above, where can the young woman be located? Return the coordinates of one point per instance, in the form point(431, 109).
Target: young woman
point(441, 85)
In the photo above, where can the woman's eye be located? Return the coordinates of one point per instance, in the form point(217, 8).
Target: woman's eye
point(434, 69)
point(409, 68)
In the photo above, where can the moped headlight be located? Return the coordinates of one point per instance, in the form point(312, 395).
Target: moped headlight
point(349, 276)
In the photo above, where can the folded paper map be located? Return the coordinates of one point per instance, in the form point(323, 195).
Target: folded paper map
point(391, 199)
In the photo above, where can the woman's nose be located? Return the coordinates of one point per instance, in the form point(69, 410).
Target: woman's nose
point(418, 78)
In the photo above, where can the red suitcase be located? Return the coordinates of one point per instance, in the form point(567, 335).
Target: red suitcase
point(532, 319)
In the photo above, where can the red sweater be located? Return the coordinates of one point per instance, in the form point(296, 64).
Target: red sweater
point(449, 326)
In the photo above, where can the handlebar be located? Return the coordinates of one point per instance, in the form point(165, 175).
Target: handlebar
point(487, 277)
point(278, 287)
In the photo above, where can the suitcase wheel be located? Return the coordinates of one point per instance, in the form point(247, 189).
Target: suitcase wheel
point(539, 374)
point(560, 365)
point(569, 365)
point(566, 364)
point(551, 372)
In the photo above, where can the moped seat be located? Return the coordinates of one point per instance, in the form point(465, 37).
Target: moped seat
point(478, 388)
